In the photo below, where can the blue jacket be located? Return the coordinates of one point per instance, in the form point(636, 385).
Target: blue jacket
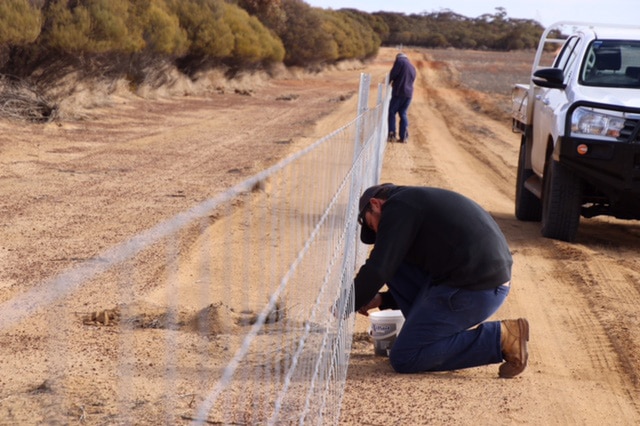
point(402, 76)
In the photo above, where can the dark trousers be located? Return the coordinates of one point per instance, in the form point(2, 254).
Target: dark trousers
point(443, 328)
point(399, 105)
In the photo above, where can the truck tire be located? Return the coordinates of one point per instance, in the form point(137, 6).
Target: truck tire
point(528, 206)
point(561, 202)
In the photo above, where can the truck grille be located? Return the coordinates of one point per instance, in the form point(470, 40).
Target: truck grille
point(630, 129)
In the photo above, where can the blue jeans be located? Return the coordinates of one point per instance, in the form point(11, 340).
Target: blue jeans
point(399, 105)
point(439, 332)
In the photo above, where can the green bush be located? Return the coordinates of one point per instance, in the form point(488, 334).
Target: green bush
point(253, 42)
point(363, 26)
point(67, 30)
point(225, 32)
point(304, 37)
point(269, 12)
point(343, 35)
point(91, 26)
point(160, 28)
point(208, 34)
point(19, 22)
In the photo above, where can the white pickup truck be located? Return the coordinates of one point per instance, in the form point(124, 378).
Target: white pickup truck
point(579, 117)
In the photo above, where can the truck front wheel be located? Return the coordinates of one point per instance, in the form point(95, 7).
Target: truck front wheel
point(561, 202)
point(528, 206)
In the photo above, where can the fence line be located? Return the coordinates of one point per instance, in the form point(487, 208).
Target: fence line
point(223, 313)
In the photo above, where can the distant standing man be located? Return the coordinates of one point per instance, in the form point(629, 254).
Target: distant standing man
point(448, 268)
point(401, 78)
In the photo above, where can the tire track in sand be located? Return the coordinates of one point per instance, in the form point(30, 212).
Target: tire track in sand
point(577, 373)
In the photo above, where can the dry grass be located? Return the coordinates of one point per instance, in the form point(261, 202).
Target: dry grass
point(487, 71)
point(21, 101)
point(487, 76)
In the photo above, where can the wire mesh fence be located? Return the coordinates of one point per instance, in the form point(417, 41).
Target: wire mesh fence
point(229, 313)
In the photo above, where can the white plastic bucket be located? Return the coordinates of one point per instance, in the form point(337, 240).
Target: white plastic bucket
point(385, 326)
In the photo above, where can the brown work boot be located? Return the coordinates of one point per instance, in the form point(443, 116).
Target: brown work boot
point(514, 335)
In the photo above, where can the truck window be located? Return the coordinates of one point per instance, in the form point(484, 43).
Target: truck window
point(612, 63)
point(567, 56)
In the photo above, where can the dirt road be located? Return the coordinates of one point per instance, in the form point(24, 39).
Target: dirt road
point(73, 188)
point(581, 299)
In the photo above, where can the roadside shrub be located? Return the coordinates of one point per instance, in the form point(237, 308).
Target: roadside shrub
point(304, 37)
point(91, 26)
point(208, 34)
point(65, 29)
point(269, 12)
point(367, 40)
point(253, 42)
point(160, 28)
point(344, 37)
point(19, 22)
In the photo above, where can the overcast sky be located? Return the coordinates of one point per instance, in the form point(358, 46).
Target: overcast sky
point(544, 11)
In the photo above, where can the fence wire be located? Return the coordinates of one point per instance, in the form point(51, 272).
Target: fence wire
point(229, 313)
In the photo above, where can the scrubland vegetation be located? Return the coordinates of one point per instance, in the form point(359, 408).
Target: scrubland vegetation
point(240, 33)
point(42, 41)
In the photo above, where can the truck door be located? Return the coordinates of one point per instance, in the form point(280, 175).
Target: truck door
point(548, 103)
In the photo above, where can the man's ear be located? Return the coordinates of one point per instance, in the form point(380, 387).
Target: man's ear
point(377, 203)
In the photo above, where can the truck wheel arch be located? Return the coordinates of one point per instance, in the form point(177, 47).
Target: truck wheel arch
point(528, 206)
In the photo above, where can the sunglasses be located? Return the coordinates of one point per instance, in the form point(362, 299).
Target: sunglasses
point(363, 213)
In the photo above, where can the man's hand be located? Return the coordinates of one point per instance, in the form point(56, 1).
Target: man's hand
point(374, 303)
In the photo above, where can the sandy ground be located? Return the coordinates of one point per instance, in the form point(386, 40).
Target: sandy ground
point(73, 188)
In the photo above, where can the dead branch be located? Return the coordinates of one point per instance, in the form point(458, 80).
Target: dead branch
point(20, 101)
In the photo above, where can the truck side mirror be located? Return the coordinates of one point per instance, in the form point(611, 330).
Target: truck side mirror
point(552, 78)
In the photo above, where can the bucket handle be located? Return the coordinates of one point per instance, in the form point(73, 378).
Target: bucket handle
point(384, 336)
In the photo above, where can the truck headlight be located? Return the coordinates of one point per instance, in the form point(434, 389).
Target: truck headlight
point(588, 122)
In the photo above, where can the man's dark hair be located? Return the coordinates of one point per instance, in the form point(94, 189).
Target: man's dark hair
point(385, 191)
